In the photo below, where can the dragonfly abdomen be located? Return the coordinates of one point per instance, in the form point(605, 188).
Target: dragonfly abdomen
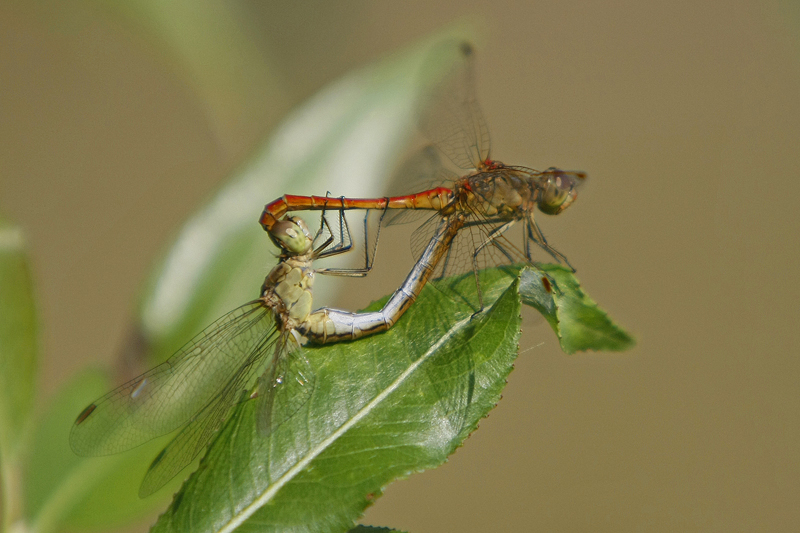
point(332, 325)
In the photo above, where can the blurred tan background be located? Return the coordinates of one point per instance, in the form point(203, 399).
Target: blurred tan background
point(687, 119)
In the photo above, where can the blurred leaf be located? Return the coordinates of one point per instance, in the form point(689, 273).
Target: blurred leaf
point(17, 338)
point(577, 320)
point(213, 45)
point(383, 408)
point(64, 490)
point(345, 139)
point(18, 359)
point(52, 459)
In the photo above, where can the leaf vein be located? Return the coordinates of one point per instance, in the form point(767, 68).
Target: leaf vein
point(273, 489)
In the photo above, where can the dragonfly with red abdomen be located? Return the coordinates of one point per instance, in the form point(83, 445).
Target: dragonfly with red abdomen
point(491, 198)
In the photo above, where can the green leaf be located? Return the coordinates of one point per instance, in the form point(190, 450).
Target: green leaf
point(383, 408)
point(53, 458)
point(346, 139)
point(577, 320)
point(17, 364)
point(17, 338)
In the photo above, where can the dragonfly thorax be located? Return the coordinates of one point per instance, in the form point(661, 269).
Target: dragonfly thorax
point(287, 290)
point(502, 193)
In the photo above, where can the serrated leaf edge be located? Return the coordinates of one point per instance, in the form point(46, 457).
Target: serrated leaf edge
point(273, 489)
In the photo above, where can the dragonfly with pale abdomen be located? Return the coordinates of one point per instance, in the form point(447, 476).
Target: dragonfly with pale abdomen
point(253, 351)
point(491, 198)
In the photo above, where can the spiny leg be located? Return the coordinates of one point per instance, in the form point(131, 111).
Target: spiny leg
point(345, 243)
point(368, 261)
point(535, 234)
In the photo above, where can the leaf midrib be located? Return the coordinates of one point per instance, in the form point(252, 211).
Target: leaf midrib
point(264, 498)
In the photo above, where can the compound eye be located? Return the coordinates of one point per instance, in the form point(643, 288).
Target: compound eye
point(291, 235)
point(559, 190)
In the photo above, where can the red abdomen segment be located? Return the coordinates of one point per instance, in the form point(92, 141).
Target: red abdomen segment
point(433, 199)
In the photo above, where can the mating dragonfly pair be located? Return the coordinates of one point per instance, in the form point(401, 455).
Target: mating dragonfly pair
point(256, 348)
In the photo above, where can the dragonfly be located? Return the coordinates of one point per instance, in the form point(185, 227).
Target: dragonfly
point(253, 352)
point(491, 197)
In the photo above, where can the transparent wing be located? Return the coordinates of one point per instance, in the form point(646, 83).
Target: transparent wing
point(422, 171)
point(449, 113)
point(285, 386)
point(178, 390)
point(194, 437)
point(481, 243)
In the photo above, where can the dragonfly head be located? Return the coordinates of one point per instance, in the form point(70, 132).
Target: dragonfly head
point(559, 189)
point(292, 236)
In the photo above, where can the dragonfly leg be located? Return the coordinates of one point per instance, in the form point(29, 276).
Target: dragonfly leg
point(332, 325)
point(493, 235)
point(535, 234)
point(368, 261)
point(345, 241)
